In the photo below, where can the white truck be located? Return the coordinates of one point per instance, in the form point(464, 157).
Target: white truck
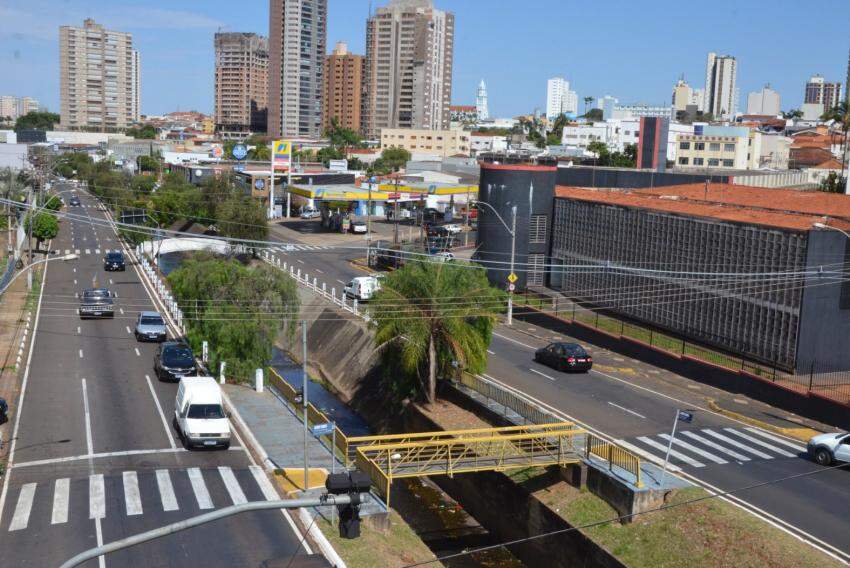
point(199, 415)
point(826, 449)
point(362, 288)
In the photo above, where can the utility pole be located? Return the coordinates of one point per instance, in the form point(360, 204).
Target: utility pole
point(513, 254)
point(395, 213)
point(304, 401)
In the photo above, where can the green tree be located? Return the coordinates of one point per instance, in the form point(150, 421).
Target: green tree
point(839, 114)
point(261, 151)
point(395, 158)
point(325, 155)
point(45, 227)
point(243, 217)
point(145, 132)
point(149, 163)
point(53, 203)
point(593, 115)
point(833, 183)
point(36, 121)
point(792, 114)
point(433, 317)
point(142, 185)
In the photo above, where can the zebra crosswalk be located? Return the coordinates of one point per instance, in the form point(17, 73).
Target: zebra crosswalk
point(134, 493)
point(299, 248)
point(698, 448)
point(97, 251)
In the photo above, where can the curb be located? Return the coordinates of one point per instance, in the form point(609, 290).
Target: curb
point(801, 434)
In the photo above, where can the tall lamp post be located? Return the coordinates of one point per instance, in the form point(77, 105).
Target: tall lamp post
point(831, 228)
point(512, 232)
point(28, 268)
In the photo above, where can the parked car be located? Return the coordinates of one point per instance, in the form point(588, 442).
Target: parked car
point(150, 327)
point(173, 361)
point(452, 228)
point(310, 214)
point(4, 411)
point(74, 201)
point(564, 357)
point(362, 288)
point(199, 415)
point(96, 303)
point(114, 261)
point(827, 449)
point(444, 257)
point(358, 227)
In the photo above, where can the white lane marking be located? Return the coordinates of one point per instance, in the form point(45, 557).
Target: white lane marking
point(61, 489)
point(543, 374)
point(97, 497)
point(762, 443)
point(77, 252)
point(340, 281)
point(694, 450)
point(624, 409)
point(132, 499)
point(88, 251)
point(128, 329)
point(21, 517)
point(81, 353)
point(199, 488)
point(678, 455)
point(111, 282)
point(299, 260)
point(138, 354)
point(101, 560)
point(121, 310)
point(166, 490)
point(96, 251)
point(491, 352)
point(75, 281)
point(161, 413)
point(777, 439)
point(647, 455)
point(513, 340)
point(89, 444)
point(233, 489)
point(75, 270)
point(737, 444)
point(263, 481)
point(67, 252)
point(718, 447)
point(319, 271)
point(78, 330)
point(67, 459)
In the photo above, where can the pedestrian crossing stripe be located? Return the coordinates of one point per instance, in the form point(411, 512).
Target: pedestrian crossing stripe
point(59, 494)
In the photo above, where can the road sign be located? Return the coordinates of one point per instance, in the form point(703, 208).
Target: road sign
point(323, 429)
point(511, 287)
point(512, 278)
point(240, 151)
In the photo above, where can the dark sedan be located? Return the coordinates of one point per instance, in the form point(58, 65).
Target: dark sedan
point(564, 357)
point(173, 361)
point(113, 261)
point(4, 411)
point(74, 201)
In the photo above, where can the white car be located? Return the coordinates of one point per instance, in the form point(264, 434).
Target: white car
point(199, 413)
point(359, 227)
point(826, 449)
point(453, 229)
point(310, 214)
point(444, 256)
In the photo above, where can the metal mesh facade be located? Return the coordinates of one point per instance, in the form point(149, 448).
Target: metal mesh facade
point(755, 317)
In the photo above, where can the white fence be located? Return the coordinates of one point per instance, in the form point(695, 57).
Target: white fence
point(162, 290)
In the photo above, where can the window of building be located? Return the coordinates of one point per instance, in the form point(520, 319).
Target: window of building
point(699, 161)
point(537, 229)
point(536, 269)
point(714, 146)
point(699, 145)
point(728, 147)
point(713, 162)
point(728, 163)
point(684, 145)
point(683, 161)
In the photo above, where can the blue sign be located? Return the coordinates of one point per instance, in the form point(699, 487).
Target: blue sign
point(240, 151)
point(239, 168)
point(323, 429)
point(686, 416)
point(260, 184)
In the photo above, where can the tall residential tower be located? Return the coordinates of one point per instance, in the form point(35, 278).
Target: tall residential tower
point(343, 88)
point(720, 89)
point(297, 42)
point(408, 73)
point(559, 98)
point(241, 83)
point(99, 78)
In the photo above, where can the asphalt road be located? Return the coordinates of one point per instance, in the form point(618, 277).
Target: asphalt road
point(96, 457)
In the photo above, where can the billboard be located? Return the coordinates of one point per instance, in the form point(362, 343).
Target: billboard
point(281, 155)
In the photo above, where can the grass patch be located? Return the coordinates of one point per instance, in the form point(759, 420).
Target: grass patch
point(710, 533)
point(399, 546)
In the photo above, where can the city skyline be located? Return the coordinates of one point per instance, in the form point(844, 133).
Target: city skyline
point(34, 51)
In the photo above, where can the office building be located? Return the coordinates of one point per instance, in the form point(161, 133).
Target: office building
point(297, 50)
point(442, 143)
point(99, 78)
point(14, 107)
point(409, 62)
point(682, 95)
point(652, 143)
point(847, 81)
point(720, 86)
point(729, 147)
point(820, 92)
point(343, 90)
point(560, 99)
point(765, 102)
point(481, 104)
point(607, 104)
point(241, 83)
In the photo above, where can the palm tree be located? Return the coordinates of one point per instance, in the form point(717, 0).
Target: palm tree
point(839, 114)
point(433, 317)
point(792, 114)
point(587, 101)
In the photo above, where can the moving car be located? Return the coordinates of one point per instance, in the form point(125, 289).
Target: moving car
point(96, 303)
point(362, 288)
point(4, 411)
point(199, 415)
point(150, 327)
point(173, 361)
point(826, 449)
point(358, 227)
point(114, 261)
point(310, 214)
point(564, 357)
point(74, 201)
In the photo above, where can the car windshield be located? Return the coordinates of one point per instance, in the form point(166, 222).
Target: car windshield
point(96, 294)
point(177, 357)
point(207, 411)
point(115, 256)
point(152, 320)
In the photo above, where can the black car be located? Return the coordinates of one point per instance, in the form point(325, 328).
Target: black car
point(564, 357)
point(114, 261)
point(4, 411)
point(74, 201)
point(96, 303)
point(173, 361)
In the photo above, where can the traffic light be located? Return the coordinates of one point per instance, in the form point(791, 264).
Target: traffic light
point(351, 483)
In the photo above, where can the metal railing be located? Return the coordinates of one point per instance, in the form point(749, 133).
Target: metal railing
point(615, 456)
point(529, 411)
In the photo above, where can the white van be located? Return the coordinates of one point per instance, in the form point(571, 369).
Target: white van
point(362, 288)
point(199, 413)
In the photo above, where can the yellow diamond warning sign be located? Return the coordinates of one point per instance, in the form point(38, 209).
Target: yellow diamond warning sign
point(512, 278)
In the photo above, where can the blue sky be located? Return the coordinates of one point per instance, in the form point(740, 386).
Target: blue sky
point(632, 49)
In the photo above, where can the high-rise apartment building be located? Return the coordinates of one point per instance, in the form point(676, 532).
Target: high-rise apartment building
point(765, 102)
point(241, 83)
point(14, 107)
point(481, 104)
point(297, 42)
point(559, 98)
point(847, 82)
point(343, 88)
point(99, 78)
point(684, 96)
point(721, 96)
point(820, 92)
point(409, 61)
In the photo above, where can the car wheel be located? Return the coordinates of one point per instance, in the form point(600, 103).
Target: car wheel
point(226, 446)
point(823, 457)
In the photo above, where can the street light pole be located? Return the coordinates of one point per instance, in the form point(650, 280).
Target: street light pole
point(831, 228)
point(28, 268)
point(512, 231)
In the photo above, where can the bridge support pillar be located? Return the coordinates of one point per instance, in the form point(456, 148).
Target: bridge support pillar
point(575, 474)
